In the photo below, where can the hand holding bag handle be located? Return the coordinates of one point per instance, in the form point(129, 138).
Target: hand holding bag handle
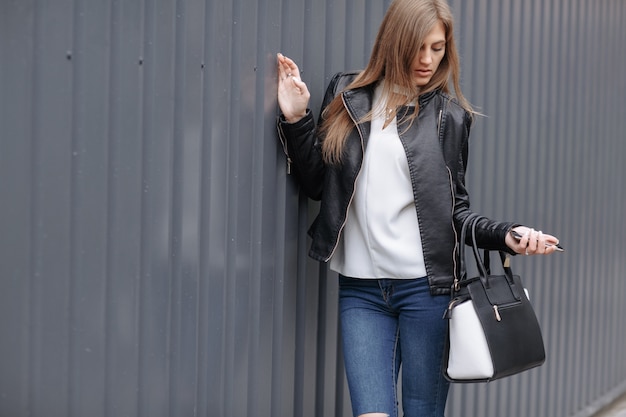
point(484, 267)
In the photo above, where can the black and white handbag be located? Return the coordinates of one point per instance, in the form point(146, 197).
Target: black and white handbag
point(493, 331)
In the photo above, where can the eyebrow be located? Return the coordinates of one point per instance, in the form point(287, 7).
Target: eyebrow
point(436, 43)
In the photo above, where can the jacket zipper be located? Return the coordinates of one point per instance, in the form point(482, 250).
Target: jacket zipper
point(355, 180)
point(281, 136)
point(456, 237)
point(439, 122)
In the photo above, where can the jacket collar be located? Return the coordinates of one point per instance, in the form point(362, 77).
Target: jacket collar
point(423, 99)
point(360, 100)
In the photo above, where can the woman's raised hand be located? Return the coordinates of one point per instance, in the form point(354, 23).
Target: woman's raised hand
point(293, 94)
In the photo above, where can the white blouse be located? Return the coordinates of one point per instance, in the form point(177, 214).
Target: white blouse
point(381, 237)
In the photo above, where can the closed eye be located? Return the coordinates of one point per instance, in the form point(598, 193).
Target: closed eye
point(439, 46)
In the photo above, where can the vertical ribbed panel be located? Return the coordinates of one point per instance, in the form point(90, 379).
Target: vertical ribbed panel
point(153, 250)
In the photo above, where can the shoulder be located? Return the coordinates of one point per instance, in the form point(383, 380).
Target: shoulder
point(453, 109)
point(338, 83)
point(452, 105)
point(341, 80)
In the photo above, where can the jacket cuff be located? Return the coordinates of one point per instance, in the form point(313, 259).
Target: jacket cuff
point(296, 128)
point(505, 231)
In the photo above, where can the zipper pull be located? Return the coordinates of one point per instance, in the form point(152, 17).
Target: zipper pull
point(497, 313)
point(288, 166)
point(439, 122)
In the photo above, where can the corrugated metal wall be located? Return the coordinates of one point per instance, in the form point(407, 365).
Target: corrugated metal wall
point(153, 249)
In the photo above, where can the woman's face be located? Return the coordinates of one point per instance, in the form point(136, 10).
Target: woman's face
point(431, 53)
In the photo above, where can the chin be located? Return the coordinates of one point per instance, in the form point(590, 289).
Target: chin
point(421, 82)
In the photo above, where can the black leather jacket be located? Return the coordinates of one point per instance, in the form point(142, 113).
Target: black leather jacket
point(436, 145)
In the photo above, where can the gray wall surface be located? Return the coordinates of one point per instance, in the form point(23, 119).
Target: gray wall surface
point(153, 249)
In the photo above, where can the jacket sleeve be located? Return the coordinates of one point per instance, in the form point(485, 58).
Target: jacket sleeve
point(303, 146)
point(490, 234)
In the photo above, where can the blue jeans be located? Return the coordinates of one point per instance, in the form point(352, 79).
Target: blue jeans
point(386, 323)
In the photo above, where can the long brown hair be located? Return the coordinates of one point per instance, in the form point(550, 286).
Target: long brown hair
point(400, 37)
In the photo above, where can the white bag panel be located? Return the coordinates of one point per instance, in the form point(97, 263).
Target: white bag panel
point(469, 356)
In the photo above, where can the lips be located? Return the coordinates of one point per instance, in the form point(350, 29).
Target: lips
point(423, 72)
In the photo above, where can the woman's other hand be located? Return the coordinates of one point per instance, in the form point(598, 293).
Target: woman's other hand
point(293, 94)
point(532, 242)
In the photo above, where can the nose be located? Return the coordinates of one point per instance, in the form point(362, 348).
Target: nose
point(426, 57)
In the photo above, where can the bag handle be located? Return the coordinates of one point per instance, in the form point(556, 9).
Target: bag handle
point(484, 266)
point(503, 259)
point(467, 223)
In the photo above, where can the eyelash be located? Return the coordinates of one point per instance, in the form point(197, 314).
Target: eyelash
point(438, 49)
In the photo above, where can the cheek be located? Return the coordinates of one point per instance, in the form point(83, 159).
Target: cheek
point(416, 61)
point(438, 61)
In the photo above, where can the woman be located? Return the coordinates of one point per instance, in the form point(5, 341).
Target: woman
point(387, 160)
